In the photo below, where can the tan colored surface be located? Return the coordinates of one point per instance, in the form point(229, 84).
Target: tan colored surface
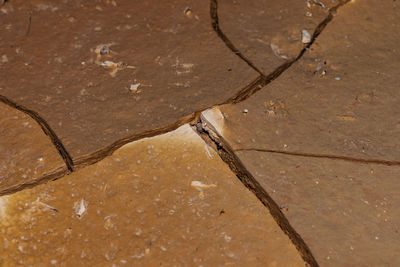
point(351, 111)
point(26, 152)
point(270, 32)
point(344, 209)
point(142, 208)
point(54, 66)
point(346, 212)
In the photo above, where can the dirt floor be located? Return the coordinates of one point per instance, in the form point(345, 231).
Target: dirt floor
point(205, 133)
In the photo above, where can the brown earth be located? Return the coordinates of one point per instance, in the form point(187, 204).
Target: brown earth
point(26, 152)
point(167, 200)
point(321, 139)
point(317, 145)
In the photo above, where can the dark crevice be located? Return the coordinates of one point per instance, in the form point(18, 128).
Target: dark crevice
point(243, 94)
point(212, 138)
point(51, 176)
point(46, 129)
point(325, 156)
point(228, 43)
point(266, 79)
point(92, 158)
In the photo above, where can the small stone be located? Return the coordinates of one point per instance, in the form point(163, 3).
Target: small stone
point(337, 78)
point(134, 87)
point(245, 111)
point(305, 37)
point(80, 208)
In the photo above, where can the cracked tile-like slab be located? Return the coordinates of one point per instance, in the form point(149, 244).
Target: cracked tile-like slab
point(26, 153)
point(333, 111)
point(340, 99)
point(269, 32)
point(167, 200)
point(99, 72)
point(346, 212)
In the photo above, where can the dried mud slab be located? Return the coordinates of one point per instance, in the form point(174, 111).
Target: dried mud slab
point(269, 32)
point(165, 200)
point(103, 71)
point(334, 112)
point(346, 212)
point(26, 153)
point(340, 99)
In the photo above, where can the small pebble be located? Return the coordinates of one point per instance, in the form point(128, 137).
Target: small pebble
point(229, 69)
point(134, 87)
point(337, 78)
point(245, 111)
point(305, 37)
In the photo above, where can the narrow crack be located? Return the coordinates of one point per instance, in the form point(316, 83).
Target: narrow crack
point(213, 139)
point(266, 79)
point(51, 176)
point(325, 156)
point(46, 129)
point(228, 43)
point(254, 86)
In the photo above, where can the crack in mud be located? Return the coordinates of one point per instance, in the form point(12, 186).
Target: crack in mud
point(217, 142)
point(324, 156)
point(254, 86)
point(228, 43)
point(46, 129)
point(51, 176)
point(266, 79)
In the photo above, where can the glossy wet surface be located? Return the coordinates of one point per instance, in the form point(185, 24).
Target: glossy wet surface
point(166, 200)
point(304, 103)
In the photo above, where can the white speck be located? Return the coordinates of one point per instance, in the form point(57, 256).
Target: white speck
point(200, 185)
point(163, 248)
point(316, 182)
point(305, 37)
point(134, 87)
point(80, 208)
point(245, 111)
point(376, 238)
point(40, 159)
point(83, 62)
point(54, 262)
point(227, 238)
point(138, 232)
point(337, 78)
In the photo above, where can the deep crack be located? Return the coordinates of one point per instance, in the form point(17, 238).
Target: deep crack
point(266, 79)
point(213, 139)
point(261, 81)
point(46, 129)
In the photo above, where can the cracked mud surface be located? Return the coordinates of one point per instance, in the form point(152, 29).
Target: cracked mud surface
point(26, 152)
point(169, 55)
point(308, 127)
point(321, 138)
point(151, 201)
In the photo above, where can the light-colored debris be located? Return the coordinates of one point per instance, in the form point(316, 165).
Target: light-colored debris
point(134, 87)
point(278, 52)
point(305, 37)
point(200, 185)
point(80, 208)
